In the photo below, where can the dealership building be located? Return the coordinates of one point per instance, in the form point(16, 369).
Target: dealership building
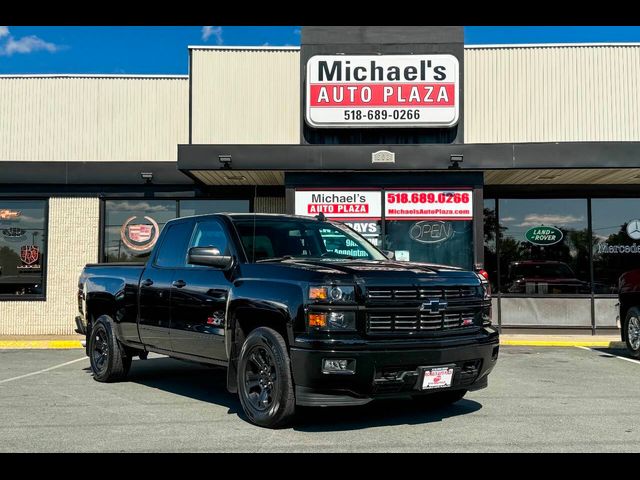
point(523, 160)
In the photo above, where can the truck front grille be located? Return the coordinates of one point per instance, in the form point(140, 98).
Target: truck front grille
point(397, 323)
point(403, 293)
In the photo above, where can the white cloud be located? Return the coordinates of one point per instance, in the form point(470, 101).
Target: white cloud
point(216, 32)
point(28, 44)
point(535, 219)
point(507, 219)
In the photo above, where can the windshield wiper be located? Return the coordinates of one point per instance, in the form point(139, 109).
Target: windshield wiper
point(275, 259)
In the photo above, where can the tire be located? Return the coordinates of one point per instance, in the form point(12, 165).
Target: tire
point(632, 331)
point(265, 384)
point(440, 399)
point(109, 360)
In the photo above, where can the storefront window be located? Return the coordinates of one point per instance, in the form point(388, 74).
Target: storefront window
point(433, 241)
point(616, 240)
point(202, 207)
point(490, 235)
point(132, 227)
point(23, 242)
point(544, 246)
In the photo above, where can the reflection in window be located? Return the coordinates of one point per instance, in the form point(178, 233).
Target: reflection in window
point(544, 246)
point(431, 241)
point(23, 241)
point(202, 207)
point(490, 234)
point(616, 240)
point(132, 227)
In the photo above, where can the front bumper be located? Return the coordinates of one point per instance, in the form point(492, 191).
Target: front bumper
point(390, 372)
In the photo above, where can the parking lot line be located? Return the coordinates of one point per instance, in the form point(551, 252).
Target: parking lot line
point(42, 371)
point(609, 355)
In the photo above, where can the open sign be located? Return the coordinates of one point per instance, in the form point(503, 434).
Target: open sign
point(431, 231)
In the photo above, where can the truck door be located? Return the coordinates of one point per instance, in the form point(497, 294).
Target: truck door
point(155, 285)
point(199, 298)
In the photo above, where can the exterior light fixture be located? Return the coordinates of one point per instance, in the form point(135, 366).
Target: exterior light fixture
point(147, 176)
point(225, 161)
point(456, 159)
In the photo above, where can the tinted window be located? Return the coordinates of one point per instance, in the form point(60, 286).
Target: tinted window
point(431, 241)
point(490, 235)
point(23, 247)
point(132, 228)
point(274, 238)
point(202, 207)
point(544, 246)
point(616, 240)
point(210, 234)
point(173, 251)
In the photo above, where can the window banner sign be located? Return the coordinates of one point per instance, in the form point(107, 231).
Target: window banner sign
point(445, 204)
point(355, 91)
point(340, 204)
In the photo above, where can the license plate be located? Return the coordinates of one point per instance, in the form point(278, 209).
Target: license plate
point(437, 377)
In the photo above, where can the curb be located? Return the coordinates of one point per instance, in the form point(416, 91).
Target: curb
point(39, 344)
point(76, 344)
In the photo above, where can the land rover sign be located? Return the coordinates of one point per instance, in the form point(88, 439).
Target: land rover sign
point(382, 91)
point(543, 235)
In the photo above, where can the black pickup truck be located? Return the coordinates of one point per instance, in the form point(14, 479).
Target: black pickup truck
point(300, 311)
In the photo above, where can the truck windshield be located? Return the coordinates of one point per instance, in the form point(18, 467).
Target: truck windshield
point(270, 239)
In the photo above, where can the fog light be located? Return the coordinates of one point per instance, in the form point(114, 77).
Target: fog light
point(318, 320)
point(338, 365)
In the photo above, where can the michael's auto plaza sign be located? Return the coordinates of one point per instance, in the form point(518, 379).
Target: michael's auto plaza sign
point(382, 91)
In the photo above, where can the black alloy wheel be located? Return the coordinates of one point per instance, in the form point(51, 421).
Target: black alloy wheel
point(109, 359)
point(265, 384)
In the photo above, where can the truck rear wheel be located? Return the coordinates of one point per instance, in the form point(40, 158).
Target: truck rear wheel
point(265, 385)
point(109, 361)
point(440, 399)
point(632, 331)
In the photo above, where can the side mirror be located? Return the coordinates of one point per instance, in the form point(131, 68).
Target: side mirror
point(209, 257)
point(389, 254)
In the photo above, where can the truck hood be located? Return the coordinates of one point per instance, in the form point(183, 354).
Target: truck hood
point(375, 272)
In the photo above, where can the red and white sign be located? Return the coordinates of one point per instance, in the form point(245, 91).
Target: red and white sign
point(29, 254)
point(382, 91)
point(437, 378)
point(428, 204)
point(339, 204)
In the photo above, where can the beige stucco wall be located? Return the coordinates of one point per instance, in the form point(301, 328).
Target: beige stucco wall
point(47, 118)
point(552, 94)
point(245, 96)
point(72, 241)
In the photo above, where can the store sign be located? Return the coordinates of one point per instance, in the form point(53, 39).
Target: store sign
point(139, 237)
point(633, 229)
point(382, 91)
point(13, 233)
point(339, 204)
point(543, 235)
point(29, 255)
point(429, 204)
point(431, 231)
point(6, 214)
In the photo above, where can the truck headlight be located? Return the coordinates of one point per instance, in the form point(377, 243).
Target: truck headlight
point(332, 321)
point(333, 293)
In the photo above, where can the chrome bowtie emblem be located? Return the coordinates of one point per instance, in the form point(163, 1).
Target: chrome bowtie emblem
point(434, 305)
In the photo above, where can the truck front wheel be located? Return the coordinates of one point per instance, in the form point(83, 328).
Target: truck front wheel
point(265, 385)
point(632, 331)
point(109, 361)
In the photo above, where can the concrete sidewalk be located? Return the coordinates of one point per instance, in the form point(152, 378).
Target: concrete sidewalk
point(523, 340)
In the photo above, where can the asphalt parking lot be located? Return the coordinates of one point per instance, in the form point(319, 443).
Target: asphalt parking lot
point(538, 399)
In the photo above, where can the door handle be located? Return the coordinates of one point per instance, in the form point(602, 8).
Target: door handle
point(147, 283)
point(179, 283)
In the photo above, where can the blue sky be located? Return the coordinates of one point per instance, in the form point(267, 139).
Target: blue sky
point(163, 50)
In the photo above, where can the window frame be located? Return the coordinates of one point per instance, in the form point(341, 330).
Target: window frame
point(41, 297)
